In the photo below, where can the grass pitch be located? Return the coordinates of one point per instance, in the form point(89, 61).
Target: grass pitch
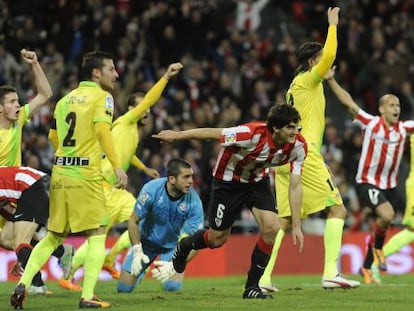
point(213, 294)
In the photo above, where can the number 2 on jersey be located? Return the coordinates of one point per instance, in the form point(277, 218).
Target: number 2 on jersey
point(68, 141)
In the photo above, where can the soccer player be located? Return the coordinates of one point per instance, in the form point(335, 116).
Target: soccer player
point(384, 138)
point(79, 133)
point(120, 202)
point(13, 117)
point(405, 236)
point(240, 177)
point(306, 94)
point(165, 209)
point(25, 205)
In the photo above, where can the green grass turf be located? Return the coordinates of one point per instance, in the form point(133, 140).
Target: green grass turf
point(212, 294)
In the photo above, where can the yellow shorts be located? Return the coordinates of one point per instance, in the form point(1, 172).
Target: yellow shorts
point(409, 207)
point(119, 204)
point(76, 205)
point(319, 190)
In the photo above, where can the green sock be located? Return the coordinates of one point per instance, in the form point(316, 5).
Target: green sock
point(122, 243)
point(332, 239)
point(78, 259)
point(402, 238)
point(94, 259)
point(39, 255)
point(267, 274)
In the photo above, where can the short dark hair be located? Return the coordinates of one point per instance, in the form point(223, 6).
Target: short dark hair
point(93, 60)
point(132, 98)
point(305, 52)
point(4, 90)
point(174, 166)
point(281, 115)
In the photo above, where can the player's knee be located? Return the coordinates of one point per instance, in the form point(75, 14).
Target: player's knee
point(172, 286)
point(124, 288)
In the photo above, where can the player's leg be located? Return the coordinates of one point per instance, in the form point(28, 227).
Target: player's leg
point(120, 204)
point(405, 236)
point(282, 180)
point(262, 203)
point(265, 282)
point(88, 214)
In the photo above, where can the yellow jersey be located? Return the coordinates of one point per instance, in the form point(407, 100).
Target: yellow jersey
point(78, 152)
point(11, 140)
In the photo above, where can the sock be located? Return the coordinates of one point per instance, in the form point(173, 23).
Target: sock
point(122, 243)
point(79, 259)
point(369, 258)
point(259, 260)
point(399, 240)
point(58, 252)
point(39, 255)
point(332, 239)
point(379, 234)
point(94, 260)
point(23, 252)
point(267, 274)
point(198, 240)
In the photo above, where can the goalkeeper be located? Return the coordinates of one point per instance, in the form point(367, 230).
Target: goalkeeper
point(165, 209)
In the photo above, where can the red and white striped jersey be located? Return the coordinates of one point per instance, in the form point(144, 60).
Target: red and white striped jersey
point(382, 150)
point(248, 151)
point(16, 179)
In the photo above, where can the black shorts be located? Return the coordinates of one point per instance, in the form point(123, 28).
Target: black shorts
point(371, 196)
point(228, 199)
point(33, 205)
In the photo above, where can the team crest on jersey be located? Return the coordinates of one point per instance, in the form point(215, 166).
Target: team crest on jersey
point(230, 138)
point(182, 207)
point(143, 197)
point(109, 102)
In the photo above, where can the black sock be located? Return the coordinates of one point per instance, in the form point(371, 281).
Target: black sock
point(194, 241)
point(369, 258)
point(259, 262)
point(379, 241)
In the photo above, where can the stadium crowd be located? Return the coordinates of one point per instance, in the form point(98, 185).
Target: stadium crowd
point(236, 65)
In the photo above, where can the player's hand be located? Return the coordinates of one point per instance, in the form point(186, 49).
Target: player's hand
point(163, 270)
point(151, 172)
point(166, 135)
point(122, 178)
point(298, 238)
point(138, 259)
point(333, 16)
point(17, 269)
point(29, 57)
point(331, 73)
point(172, 70)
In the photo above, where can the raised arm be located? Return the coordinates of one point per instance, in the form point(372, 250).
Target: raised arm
point(331, 43)
point(155, 92)
point(43, 88)
point(343, 96)
point(199, 134)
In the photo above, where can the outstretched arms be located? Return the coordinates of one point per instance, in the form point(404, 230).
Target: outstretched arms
point(199, 134)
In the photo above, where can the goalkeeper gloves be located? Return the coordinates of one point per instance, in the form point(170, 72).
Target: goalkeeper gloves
point(163, 270)
point(138, 258)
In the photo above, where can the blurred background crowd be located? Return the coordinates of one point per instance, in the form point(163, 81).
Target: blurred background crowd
point(236, 65)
